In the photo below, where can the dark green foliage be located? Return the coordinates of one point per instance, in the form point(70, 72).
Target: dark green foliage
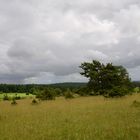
point(34, 101)
point(58, 92)
point(46, 94)
point(84, 91)
point(116, 92)
point(36, 92)
point(27, 93)
point(5, 97)
point(13, 102)
point(30, 88)
point(68, 94)
point(16, 97)
point(65, 86)
point(92, 71)
point(38, 95)
point(13, 88)
point(108, 80)
point(136, 84)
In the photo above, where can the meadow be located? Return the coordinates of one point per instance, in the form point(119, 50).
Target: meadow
point(82, 118)
point(11, 95)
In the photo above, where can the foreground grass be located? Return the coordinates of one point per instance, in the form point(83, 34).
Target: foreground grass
point(84, 118)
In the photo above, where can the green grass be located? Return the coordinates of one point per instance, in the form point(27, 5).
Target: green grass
point(83, 118)
point(10, 95)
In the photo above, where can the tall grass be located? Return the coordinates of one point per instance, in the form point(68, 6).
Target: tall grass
point(83, 118)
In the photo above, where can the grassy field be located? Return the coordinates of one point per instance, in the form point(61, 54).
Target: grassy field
point(11, 95)
point(83, 118)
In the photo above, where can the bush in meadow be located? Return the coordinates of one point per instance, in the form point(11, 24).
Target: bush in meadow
point(46, 94)
point(5, 97)
point(68, 94)
point(34, 101)
point(13, 102)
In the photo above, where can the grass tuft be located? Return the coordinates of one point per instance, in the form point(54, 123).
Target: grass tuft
point(136, 103)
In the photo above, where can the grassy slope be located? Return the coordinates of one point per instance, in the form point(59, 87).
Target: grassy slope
point(84, 118)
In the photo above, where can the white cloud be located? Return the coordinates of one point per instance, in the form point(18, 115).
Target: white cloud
point(46, 41)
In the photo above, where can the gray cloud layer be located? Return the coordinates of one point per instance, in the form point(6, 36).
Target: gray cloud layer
point(45, 41)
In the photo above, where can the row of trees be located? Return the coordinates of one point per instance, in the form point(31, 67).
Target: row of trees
point(30, 88)
point(13, 88)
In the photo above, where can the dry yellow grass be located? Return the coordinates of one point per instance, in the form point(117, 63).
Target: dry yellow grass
point(83, 118)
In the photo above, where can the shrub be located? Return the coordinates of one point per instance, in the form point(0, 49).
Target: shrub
point(58, 91)
point(38, 95)
point(17, 97)
point(46, 94)
point(136, 103)
point(84, 91)
point(27, 93)
point(34, 101)
point(5, 97)
point(136, 89)
point(13, 102)
point(68, 94)
point(116, 92)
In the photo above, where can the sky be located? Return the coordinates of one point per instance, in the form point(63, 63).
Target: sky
point(45, 41)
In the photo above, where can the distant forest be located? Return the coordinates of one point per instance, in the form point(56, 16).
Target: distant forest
point(136, 84)
point(28, 88)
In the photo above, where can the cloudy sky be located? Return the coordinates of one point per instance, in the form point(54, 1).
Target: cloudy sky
point(44, 41)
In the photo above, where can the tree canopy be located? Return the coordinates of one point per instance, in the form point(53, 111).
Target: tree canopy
point(103, 78)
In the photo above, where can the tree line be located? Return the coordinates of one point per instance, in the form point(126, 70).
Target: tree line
point(30, 88)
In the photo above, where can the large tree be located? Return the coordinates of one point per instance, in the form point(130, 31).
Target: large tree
point(105, 77)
